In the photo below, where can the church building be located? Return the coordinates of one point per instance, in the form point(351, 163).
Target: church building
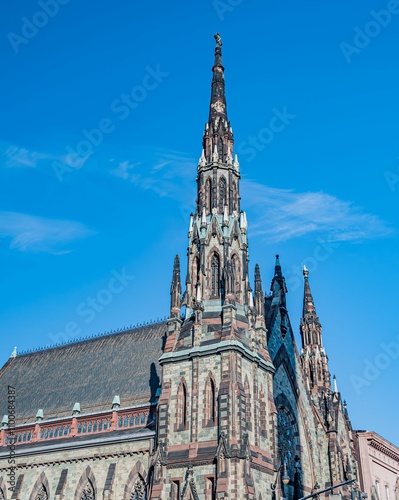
point(216, 402)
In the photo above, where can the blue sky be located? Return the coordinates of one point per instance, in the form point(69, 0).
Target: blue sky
point(88, 230)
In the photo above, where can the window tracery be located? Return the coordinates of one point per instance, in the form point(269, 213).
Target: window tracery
point(286, 427)
point(88, 492)
point(181, 409)
point(208, 195)
point(210, 401)
point(139, 491)
point(41, 493)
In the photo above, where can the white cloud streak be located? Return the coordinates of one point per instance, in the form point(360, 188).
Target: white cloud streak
point(275, 214)
point(283, 214)
point(29, 233)
point(17, 157)
point(168, 174)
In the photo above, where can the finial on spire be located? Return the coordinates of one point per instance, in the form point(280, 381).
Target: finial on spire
point(202, 160)
point(243, 221)
point(251, 299)
point(308, 302)
point(191, 225)
point(215, 157)
point(218, 39)
point(203, 218)
point(199, 293)
point(335, 384)
point(225, 215)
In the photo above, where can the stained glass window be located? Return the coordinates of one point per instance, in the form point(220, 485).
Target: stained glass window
point(286, 438)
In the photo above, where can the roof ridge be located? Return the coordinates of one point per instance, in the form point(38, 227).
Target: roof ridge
point(94, 336)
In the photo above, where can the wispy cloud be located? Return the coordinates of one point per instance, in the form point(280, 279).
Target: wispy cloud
point(15, 157)
point(168, 173)
point(275, 214)
point(283, 214)
point(29, 233)
point(19, 157)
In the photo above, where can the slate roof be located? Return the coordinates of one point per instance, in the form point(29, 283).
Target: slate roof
point(90, 372)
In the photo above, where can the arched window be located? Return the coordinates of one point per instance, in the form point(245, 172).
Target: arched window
point(288, 440)
point(41, 489)
point(220, 148)
point(235, 207)
point(208, 195)
point(377, 489)
point(196, 272)
point(210, 402)
point(247, 403)
point(262, 412)
point(311, 375)
point(181, 408)
point(215, 275)
point(236, 273)
point(222, 194)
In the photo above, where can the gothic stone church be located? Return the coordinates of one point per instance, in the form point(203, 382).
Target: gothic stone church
point(216, 402)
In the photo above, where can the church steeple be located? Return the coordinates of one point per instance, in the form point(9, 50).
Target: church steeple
point(314, 358)
point(310, 323)
point(218, 94)
point(218, 169)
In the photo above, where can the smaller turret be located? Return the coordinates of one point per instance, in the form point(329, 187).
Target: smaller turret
point(175, 290)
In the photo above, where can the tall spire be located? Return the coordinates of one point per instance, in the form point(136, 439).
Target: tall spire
point(310, 323)
point(259, 295)
point(314, 358)
point(218, 167)
point(278, 286)
point(309, 309)
point(218, 95)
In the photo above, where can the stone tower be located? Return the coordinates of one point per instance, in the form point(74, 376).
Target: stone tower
point(216, 421)
point(313, 357)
